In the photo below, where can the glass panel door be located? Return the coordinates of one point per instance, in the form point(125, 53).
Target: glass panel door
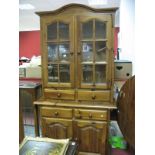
point(60, 54)
point(93, 53)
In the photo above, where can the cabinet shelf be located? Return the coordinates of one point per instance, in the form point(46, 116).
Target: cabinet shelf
point(90, 40)
point(60, 62)
point(97, 63)
point(58, 41)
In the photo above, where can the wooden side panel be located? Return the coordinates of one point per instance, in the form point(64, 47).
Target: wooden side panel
point(126, 115)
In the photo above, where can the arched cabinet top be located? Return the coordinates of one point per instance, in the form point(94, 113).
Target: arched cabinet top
point(73, 5)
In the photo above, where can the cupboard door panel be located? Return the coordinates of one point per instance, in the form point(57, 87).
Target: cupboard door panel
point(58, 52)
point(93, 51)
point(91, 136)
point(56, 128)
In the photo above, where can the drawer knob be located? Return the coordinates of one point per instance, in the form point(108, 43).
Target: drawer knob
point(93, 97)
point(78, 116)
point(102, 116)
point(56, 113)
point(90, 115)
point(58, 95)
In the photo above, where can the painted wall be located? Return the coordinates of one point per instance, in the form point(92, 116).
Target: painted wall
point(126, 36)
point(29, 43)
point(116, 31)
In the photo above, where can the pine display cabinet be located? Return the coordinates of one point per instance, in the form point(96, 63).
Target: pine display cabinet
point(77, 76)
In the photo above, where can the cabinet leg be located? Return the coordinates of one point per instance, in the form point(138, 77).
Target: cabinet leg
point(36, 121)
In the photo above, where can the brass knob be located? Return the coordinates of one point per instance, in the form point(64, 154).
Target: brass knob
point(102, 116)
point(93, 97)
point(90, 115)
point(93, 84)
point(79, 114)
point(56, 113)
point(79, 52)
point(71, 53)
point(58, 95)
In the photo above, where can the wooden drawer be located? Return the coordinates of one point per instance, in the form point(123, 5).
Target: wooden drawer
point(56, 112)
point(94, 95)
point(59, 94)
point(90, 114)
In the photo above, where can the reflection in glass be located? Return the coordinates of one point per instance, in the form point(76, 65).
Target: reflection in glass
point(87, 30)
point(64, 52)
point(100, 73)
point(87, 51)
point(64, 73)
point(63, 31)
point(87, 73)
point(52, 52)
point(53, 73)
point(52, 31)
point(100, 29)
point(100, 51)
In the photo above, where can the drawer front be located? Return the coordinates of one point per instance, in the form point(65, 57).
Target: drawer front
point(56, 112)
point(91, 114)
point(59, 94)
point(94, 95)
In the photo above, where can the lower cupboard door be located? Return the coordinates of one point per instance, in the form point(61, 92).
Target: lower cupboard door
point(91, 136)
point(56, 128)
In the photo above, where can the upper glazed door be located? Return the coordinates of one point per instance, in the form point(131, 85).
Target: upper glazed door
point(59, 53)
point(94, 46)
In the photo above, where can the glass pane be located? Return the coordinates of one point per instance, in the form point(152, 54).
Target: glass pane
point(64, 73)
point(87, 73)
point(64, 52)
point(87, 30)
point(100, 51)
point(63, 31)
point(100, 73)
point(87, 51)
point(100, 29)
point(52, 52)
point(53, 73)
point(52, 31)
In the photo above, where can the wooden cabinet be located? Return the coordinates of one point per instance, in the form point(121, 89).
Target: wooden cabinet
point(77, 75)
